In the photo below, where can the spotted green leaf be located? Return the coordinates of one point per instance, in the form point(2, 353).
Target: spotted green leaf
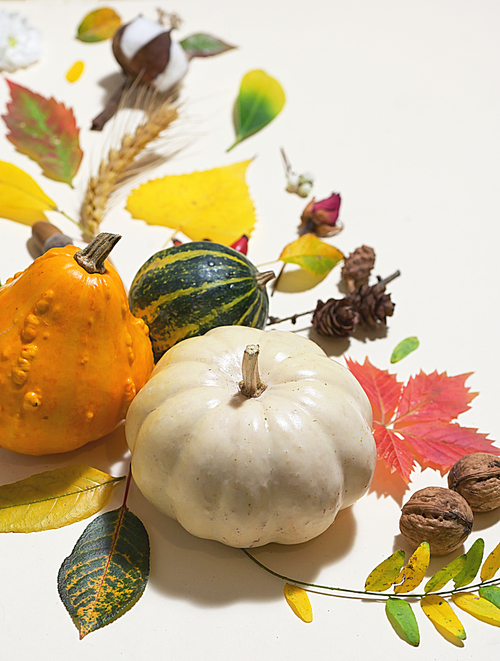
point(413, 573)
point(402, 618)
point(98, 25)
point(311, 254)
point(204, 45)
point(491, 593)
point(54, 498)
point(478, 607)
point(298, 600)
point(260, 99)
point(404, 348)
point(491, 565)
point(442, 616)
point(473, 559)
point(445, 574)
point(384, 574)
point(107, 571)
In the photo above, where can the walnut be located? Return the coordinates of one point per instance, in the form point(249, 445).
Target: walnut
point(439, 516)
point(476, 477)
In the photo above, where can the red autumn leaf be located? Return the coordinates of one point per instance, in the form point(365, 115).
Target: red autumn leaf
point(415, 422)
point(44, 130)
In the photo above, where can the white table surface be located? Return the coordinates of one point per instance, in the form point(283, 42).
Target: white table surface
point(395, 104)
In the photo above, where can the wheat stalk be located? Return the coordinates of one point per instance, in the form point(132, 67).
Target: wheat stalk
point(118, 161)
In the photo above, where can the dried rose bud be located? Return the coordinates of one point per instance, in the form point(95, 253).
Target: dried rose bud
point(145, 48)
point(241, 245)
point(321, 217)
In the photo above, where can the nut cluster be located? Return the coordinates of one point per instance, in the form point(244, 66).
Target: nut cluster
point(476, 477)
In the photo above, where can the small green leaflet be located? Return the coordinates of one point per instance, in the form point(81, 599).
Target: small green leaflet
point(473, 559)
point(45, 131)
point(445, 574)
point(404, 348)
point(260, 99)
point(54, 498)
point(98, 25)
point(491, 593)
point(383, 576)
point(402, 618)
point(107, 571)
point(204, 45)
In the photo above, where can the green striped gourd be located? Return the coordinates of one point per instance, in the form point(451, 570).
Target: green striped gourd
point(188, 289)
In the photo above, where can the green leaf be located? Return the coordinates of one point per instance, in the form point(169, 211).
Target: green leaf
point(107, 571)
point(473, 559)
point(384, 574)
point(204, 45)
point(260, 99)
point(491, 564)
point(491, 593)
point(98, 25)
point(403, 621)
point(45, 131)
point(54, 498)
point(404, 348)
point(312, 254)
point(445, 574)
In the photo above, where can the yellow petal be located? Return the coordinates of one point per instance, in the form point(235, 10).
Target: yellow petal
point(477, 606)
point(212, 204)
point(413, 573)
point(21, 198)
point(75, 71)
point(442, 615)
point(298, 600)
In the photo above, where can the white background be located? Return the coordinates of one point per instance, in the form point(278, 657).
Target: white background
point(395, 105)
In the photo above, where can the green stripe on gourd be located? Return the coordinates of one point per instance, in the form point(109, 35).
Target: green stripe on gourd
point(186, 290)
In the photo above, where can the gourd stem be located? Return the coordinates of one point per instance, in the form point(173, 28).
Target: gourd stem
point(251, 386)
point(92, 257)
point(263, 278)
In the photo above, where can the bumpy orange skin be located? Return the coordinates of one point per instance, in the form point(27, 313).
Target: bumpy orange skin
point(72, 356)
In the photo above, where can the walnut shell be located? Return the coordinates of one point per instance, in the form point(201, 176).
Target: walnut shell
point(476, 477)
point(439, 516)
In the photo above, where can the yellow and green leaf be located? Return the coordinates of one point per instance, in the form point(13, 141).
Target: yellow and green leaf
point(402, 618)
point(98, 25)
point(212, 204)
point(491, 565)
point(107, 571)
point(413, 573)
point(473, 559)
point(405, 347)
point(445, 574)
point(261, 98)
point(21, 198)
point(491, 593)
point(311, 254)
point(298, 600)
point(441, 614)
point(384, 574)
point(478, 607)
point(54, 498)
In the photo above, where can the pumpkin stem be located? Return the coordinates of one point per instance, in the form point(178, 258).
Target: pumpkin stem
point(92, 257)
point(263, 278)
point(251, 386)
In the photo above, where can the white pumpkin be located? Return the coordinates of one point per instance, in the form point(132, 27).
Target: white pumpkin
point(249, 470)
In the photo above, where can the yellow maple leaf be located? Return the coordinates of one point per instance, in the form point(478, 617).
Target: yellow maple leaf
point(212, 204)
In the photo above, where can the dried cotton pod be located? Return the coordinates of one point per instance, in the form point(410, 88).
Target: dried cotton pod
point(438, 516)
point(476, 477)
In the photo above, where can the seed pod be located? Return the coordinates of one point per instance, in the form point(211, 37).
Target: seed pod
point(476, 477)
point(439, 516)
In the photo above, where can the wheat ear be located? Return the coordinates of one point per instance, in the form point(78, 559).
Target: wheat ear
point(112, 169)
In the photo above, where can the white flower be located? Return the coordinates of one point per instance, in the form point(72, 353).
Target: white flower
point(20, 44)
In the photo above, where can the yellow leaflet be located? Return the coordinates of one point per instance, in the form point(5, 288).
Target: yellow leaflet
point(312, 254)
point(75, 71)
point(442, 615)
point(213, 204)
point(477, 606)
point(491, 564)
point(298, 601)
point(384, 574)
point(21, 198)
point(54, 499)
point(412, 575)
point(98, 25)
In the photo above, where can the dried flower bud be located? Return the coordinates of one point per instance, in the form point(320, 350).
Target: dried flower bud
point(241, 244)
point(321, 217)
point(145, 48)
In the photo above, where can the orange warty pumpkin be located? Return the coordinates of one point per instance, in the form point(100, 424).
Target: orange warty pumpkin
point(72, 356)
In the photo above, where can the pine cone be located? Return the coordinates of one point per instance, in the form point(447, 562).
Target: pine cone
point(372, 304)
point(357, 267)
point(336, 317)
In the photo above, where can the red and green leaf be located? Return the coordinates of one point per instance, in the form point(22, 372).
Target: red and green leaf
point(45, 131)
